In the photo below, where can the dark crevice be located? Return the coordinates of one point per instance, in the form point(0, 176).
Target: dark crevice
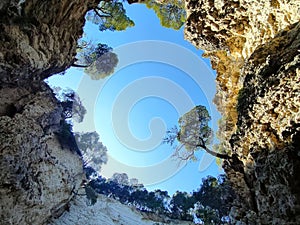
point(10, 110)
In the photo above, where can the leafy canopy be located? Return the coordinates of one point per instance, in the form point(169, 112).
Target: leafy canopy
point(94, 153)
point(171, 13)
point(98, 60)
point(194, 130)
point(193, 133)
point(71, 104)
point(103, 67)
point(110, 15)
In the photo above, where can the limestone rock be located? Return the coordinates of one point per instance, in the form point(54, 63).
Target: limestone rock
point(255, 48)
point(229, 32)
point(109, 212)
point(39, 38)
point(37, 175)
point(268, 138)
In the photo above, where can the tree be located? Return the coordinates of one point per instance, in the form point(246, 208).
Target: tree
point(216, 196)
point(181, 202)
point(193, 134)
point(110, 15)
point(71, 104)
point(98, 61)
point(103, 66)
point(93, 151)
point(170, 12)
point(120, 178)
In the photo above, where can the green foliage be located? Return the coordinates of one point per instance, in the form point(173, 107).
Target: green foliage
point(193, 134)
point(94, 152)
point(209, 215)
point(170, 12)
point(98, 60)
point(90, 194)
point(71, 104)
point(194, 130)
point(181, 203)
point(211, 202)
point(110, 15)
point(66, 137)
point(102, 67)
point(120, 178)
point(216, 195)
point(66, 130)
point(89, 53)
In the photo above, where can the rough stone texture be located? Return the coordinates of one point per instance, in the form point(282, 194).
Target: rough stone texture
point(229, 32)
point(37, 174)
point(109, 212)
point(39, 38)
point(255, 48)
point(268, 138)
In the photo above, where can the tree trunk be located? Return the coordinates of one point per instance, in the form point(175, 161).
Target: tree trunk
point(215, 154)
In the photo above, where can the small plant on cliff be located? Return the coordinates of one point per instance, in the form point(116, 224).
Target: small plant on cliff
point(91, 194)
point(193, 134)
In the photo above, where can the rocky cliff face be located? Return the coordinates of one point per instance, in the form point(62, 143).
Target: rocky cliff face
point(229, 32)
point(38, 174)
point(254, 46)
point(39, 38)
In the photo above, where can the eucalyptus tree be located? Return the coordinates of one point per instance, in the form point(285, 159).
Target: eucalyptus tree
point(193, 134)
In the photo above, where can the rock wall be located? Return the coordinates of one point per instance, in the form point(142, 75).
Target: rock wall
point(267, 141)
point(38, 174)
point(109, 212)
point(229, 32)
point(254, 47)
point(39, 38)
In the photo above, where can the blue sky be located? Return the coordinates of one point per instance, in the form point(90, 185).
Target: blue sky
point(160, 76)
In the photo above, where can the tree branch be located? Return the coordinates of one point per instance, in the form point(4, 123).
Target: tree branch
point(185, 157)
point(79, 66)
point(203, 146)
point(216, 154)
point(101, 16)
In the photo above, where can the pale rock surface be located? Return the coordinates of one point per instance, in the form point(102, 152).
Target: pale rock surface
point(109, 212)
point(229, 32)
point(37, 173)
point(267, 141)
